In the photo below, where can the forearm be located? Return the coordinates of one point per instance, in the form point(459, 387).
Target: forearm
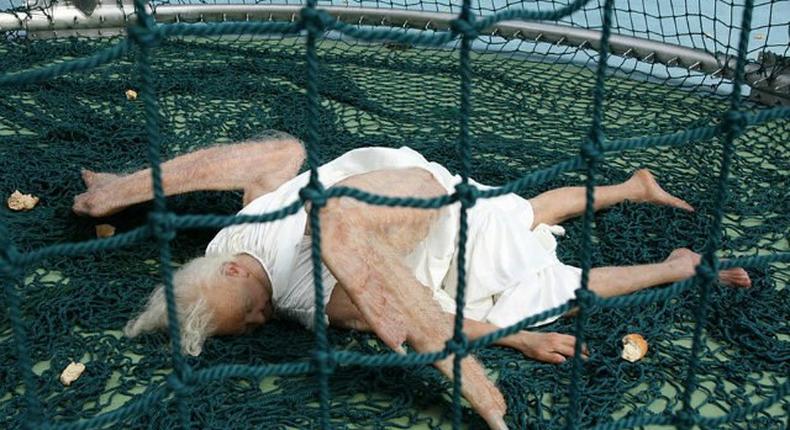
point(476, 329)
point(541, 346)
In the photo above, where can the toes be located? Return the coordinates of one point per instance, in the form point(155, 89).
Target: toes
point(681, 204)
point(737, 277)
point(88, 177)
point(661, 197)
point(82, 205)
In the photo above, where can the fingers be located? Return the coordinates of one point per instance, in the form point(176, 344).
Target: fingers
point(564, 344)
point(554, 358)
point(555, 348)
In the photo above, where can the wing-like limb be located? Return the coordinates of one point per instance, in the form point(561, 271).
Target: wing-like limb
point(394, 303)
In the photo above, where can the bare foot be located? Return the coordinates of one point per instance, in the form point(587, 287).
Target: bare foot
point(653, 193)
point(734, 277)
point(94, 202)
point(94, 180)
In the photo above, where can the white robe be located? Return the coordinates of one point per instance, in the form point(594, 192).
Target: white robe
point(513, 271)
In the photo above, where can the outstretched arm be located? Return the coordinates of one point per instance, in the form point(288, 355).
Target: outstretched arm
point(546, 347)
point(256, 166)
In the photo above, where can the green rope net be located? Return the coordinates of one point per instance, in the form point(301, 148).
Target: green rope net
point(516, 114)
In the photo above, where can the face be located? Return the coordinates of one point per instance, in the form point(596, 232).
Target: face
point(241, 303)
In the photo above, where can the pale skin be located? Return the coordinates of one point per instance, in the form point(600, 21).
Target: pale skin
point(364, 246)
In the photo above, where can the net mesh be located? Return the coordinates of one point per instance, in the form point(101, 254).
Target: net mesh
point(523, 115)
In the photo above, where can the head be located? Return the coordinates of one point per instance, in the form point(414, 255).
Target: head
point(216, 295)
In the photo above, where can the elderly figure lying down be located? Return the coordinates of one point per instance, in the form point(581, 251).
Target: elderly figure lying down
point(391, 271)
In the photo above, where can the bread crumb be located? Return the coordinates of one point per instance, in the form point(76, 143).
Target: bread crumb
point(105, 230)
point(22, 202)
point(131, 95)
point(634, 347)
point(71, 373)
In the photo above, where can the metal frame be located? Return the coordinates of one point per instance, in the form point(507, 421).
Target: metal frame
point(107, 19)
point(65, 17)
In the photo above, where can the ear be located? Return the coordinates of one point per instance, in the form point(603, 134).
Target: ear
point(234, 269)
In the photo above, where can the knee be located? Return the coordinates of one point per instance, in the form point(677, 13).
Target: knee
point(294, 148)
point(285, 148)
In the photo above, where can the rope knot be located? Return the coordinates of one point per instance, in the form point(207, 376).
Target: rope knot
point(590, 152)
point(313, 193)
point(706, 272)
point(8, 269)
point(8, 258)
point(585, 298)
point(178, 386)
point(163, 225)
point(314, 20)
point(459, 345)
point(325, 362)
point(465, 27)
point(734, 122)
point(467, 194)
point(684, 419)
point(144, 36)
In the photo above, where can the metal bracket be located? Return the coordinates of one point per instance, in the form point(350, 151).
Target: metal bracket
point(85, 6)
point(770, 79)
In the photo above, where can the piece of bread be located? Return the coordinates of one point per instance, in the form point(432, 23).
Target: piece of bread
point(71, 373)
point(105, 230)
point(21, 202)
point(634, 347)
point(131, 95)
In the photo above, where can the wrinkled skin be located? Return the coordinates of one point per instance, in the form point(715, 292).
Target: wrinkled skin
point(364, 247)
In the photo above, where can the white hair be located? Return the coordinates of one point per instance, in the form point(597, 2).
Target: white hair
point(195, 317)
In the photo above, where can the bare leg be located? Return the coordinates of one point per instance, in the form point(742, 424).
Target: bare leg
point(255, 167)
point(556, 206)
point(680, 265)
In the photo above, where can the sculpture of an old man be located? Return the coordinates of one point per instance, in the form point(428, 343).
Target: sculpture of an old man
point(391, 271)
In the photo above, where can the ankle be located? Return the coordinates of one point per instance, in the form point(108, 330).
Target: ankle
point(684, 266)
point(635, 189)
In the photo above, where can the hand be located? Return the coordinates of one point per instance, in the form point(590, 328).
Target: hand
point(552, 347)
